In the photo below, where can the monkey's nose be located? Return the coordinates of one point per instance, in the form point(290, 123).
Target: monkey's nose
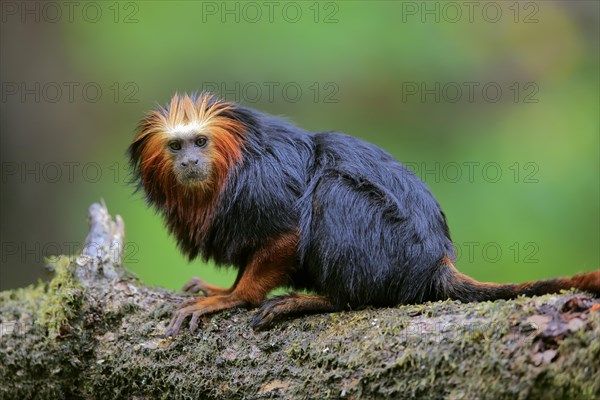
point(189, 162)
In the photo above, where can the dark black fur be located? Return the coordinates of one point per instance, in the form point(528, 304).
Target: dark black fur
point(370, 230)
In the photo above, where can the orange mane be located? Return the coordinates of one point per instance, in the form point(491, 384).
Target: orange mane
point(185, 205)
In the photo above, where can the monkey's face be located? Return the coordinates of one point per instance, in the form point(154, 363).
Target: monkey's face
point(190, 155)
point(191, 144)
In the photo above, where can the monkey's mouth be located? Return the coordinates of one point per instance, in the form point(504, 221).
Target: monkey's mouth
point(191, 176)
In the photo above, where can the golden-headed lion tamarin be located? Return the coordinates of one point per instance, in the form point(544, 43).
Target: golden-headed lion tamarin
point(323, 211)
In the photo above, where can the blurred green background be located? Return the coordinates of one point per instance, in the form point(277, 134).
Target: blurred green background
point(516, 172)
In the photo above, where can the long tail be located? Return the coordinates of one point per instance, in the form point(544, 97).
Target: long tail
point(451, 284)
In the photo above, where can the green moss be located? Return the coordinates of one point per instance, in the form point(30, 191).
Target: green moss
point(63, 299)
point(15, 302)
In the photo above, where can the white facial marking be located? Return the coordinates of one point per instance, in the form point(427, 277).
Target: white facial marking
point(185, 130)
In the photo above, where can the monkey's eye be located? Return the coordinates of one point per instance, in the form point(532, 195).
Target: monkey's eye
point(175, 145)
point(201, 141)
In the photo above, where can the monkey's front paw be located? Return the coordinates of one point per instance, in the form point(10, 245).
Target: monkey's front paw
point(197, 307)
point(193, 307)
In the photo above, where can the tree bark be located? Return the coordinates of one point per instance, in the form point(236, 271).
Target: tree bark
point(95, 331)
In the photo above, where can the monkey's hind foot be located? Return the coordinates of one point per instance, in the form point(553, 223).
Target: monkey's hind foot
point(290, 304)
point(197, 285)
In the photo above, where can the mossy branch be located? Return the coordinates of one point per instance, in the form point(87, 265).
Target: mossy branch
point(95, 331)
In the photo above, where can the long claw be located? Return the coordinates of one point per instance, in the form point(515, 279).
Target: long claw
point(175, 324)
point(194, 322)
point(262, 320)
point(266, 313)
